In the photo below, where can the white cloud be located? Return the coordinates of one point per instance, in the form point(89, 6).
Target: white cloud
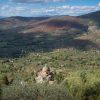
point(20, 10)
point(8, 10)
point(99, 4)
point(37, 1)
point(72, 10)
point(4, 7)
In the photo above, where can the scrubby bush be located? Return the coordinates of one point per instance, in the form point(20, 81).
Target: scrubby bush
point(83, 77)
point(59, 77)
point(35, 92)
point(91, 92)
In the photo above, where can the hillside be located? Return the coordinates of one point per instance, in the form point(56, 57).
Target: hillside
point(37, 34)
point(17, 21)
point(23, 34)
point(94, 16)
point(58, 23)
point(69, 45)
point(44, 23)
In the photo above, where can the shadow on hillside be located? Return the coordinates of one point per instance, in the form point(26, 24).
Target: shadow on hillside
point(67, 24)
point(17, 44)
point(94, 16)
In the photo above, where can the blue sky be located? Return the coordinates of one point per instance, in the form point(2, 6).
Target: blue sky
point(47, 7)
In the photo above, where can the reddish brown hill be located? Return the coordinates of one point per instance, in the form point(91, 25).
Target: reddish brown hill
point(57, 23)
point(13, 22)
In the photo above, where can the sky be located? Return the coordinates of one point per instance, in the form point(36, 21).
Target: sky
point(33, 8)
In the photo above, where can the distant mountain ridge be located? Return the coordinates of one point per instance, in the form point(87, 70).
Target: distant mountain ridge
point(49, 23)
point(43, 23)
point(43, 34)
point(94, 16)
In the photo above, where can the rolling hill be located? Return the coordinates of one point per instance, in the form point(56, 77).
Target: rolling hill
point(44, 23)
point(94, 16)
point(36, 34)
point(17, 21)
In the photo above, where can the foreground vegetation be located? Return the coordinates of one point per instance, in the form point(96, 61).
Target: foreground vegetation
point(76, 73)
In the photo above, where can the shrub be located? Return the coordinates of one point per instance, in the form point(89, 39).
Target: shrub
point(83, 76)
point(35, 92)
point(59, 77)
point(91, 92)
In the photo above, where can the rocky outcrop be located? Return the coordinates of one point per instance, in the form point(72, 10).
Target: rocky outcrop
point(45, 76)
